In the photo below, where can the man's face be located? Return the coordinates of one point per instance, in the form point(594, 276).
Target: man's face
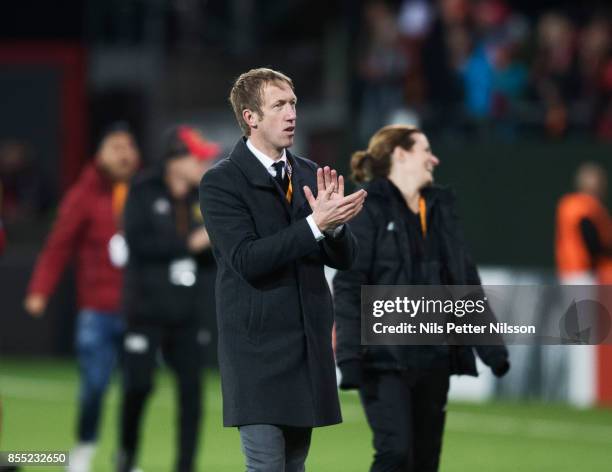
point(421, 162)
point(276, 128)
point(118, 155)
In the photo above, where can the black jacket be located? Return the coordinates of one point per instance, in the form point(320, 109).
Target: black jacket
point(274, 307)
point(156, 287)
point(384, 259)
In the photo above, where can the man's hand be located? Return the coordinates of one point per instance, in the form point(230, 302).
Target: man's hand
point(35, 304)
point(198, 240)
point(331, 208)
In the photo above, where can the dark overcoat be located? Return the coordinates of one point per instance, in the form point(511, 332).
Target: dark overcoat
point(274, 307)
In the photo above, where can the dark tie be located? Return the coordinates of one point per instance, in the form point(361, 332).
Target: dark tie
point(283, 180)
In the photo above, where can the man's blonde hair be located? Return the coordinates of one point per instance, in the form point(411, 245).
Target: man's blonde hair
point(247, 92)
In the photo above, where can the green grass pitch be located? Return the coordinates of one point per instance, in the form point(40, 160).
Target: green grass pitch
point(39, 414)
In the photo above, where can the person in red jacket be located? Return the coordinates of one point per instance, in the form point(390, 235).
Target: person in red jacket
point(88, 228)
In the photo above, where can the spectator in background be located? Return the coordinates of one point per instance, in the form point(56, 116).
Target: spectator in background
point(494, 78)
point(89, 218)
point(478, 83)
point(444, 54)
point(553, 71)
point(594, 47)
point(584, 230)
point(460, 62)
point(381, 69)
point(510, 75)
point(24, 193)
point(603, 125)
point(478, 71)
point(167, 244)
point(594, 66)
point(414, 23)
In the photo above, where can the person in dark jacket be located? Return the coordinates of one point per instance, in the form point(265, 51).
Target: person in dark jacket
point(271, 238)
point(408, 234)
point(167, 245)
point(88, 221)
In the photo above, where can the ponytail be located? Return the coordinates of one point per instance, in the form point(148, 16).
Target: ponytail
point(375, 161)
point(361, 167)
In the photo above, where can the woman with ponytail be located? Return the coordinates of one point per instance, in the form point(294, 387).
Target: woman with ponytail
point(408, 234)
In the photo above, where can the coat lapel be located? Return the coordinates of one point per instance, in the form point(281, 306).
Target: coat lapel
point(255, 172)
point(259, 177)
point(301, 176)
point(250, 166)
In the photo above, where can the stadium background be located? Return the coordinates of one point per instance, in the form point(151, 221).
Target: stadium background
point(69, 67)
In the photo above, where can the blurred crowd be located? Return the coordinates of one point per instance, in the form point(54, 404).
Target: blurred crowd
point(24, 192)
point(479, 64)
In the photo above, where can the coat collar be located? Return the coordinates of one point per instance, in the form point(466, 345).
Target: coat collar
point(301, 173)
point(250, 165)
point(265, 160)
point(433, 194)
point(259, 176)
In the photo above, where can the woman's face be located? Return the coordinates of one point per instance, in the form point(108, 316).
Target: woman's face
point(419, 162)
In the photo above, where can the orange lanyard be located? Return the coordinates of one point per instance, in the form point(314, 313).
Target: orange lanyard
point(120, 193)
point(423, 215)
point(289, 193)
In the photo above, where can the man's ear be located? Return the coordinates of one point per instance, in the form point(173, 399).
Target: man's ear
point(251, 118)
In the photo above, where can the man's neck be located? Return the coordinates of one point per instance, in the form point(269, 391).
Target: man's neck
point(262, 146)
